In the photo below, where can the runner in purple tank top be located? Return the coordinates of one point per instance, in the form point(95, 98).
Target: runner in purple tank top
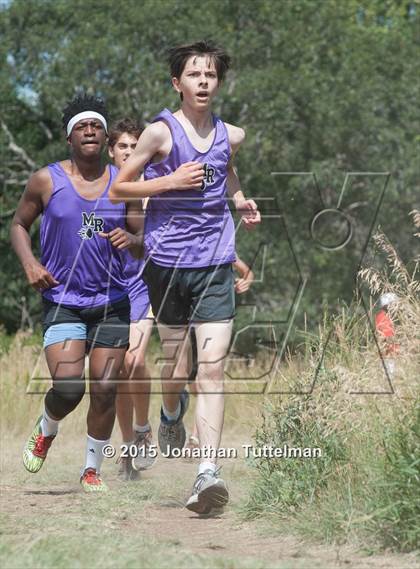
point(81, 280)
point(134, 387)
point(190, 246)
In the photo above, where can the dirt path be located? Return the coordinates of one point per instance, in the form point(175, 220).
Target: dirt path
point(144, 521)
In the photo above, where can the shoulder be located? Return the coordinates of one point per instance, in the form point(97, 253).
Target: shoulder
point(236, 134)
point(154, 137)
point(157, 131)
point(40, 181)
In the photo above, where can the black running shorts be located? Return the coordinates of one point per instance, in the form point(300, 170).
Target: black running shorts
point(105, 326)
point(179, 296)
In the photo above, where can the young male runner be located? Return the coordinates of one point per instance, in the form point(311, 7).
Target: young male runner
point(134, 392)
point(242, 284)
point(189, 242)
point(81, 282)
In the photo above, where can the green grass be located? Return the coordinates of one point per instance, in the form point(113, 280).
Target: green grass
point(110, 552)
point(394, 504)
point(365, 488)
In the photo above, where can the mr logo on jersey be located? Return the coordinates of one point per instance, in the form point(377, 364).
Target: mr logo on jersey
point(90, 225)
point(208, 179)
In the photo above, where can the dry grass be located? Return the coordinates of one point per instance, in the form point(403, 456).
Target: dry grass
point(367, 423)
point(25, 379)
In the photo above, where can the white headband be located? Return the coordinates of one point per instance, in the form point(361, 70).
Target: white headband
point(85, 115)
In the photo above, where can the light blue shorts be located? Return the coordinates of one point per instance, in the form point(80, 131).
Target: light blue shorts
point(105, 326)
point(62, 332)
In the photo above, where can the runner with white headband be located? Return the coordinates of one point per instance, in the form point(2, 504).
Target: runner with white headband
point(86, 115)
point(86, 308)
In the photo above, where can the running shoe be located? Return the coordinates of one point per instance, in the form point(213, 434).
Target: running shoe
point(36, 448)
point(172, 434)
point(209, 492)
point(125, 470)
point(146, 452)
point(92, 482)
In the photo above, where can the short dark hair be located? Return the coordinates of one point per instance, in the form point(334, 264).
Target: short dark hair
point(179, 55)
point(121, 126)
point(83, 102)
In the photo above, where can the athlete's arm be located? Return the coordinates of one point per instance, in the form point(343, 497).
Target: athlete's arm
point(131, 237)
point(33, 201)
point(246, 208)
point(152, 142)
point(246, 276)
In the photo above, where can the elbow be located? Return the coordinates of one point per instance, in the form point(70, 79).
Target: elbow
point(13, 229)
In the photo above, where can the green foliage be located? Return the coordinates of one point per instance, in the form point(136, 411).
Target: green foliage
point(394, 502)
point(5, 341)
point(285, 485)
point(365, 486)
point(328, 87)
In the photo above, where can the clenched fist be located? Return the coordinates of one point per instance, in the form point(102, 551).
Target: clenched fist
point(248, 210)
point(119, 238)
point(188, 176)
point(38, 276)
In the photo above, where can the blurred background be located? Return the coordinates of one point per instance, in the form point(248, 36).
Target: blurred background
point(328, 87)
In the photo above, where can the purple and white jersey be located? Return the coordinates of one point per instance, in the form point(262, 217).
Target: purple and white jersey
point(85, 264)
point(191, 228)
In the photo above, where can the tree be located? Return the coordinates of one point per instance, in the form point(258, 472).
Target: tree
point(324, 86)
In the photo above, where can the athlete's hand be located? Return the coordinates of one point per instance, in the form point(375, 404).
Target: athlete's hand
point(119, 238)
point(188, 176)
point(38, 276)
point(242, 284)
point(250, 215)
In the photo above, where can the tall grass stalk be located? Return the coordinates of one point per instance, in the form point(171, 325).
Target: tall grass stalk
point(366, 485)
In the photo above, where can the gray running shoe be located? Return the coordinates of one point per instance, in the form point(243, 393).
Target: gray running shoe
point(171, 434)
point(146, 457)
point(209, 492)
point(125, 470)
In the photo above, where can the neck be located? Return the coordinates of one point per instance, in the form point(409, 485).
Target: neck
point(89, 169)
point(199, 118)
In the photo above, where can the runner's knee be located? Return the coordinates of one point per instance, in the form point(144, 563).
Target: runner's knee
point(211, 371)
point(64, 396)
point(135, 366)
point(103, 396)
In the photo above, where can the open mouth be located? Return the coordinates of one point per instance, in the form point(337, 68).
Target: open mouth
point(202, 94)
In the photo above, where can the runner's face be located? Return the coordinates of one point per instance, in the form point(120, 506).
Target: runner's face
point(87, 138)
point(122, 149)
point(198, 82)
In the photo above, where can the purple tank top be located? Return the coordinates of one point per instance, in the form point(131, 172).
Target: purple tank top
point(88, 270)
point(133, 271)
point(191, 228)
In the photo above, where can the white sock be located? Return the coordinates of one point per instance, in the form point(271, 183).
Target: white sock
point(174, 415)
point(48, 426)
point(207, 466)
point(143, 428)
point(94, 456)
